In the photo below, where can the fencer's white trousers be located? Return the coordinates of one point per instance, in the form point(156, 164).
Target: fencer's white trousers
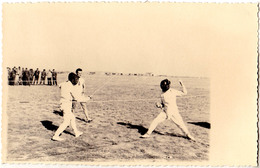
point(175, 117)
point(68, 118)
point(67, 113)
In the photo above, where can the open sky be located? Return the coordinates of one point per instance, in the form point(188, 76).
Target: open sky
point(177, 39)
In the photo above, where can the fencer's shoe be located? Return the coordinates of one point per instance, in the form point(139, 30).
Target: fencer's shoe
point(78, 134)
point(57, 138)
point(87, 121)
point(191, 138)
point(145, 136)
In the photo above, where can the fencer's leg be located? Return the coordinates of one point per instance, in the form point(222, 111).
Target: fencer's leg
point(160, 118)
point(73, 125)
point(84, 107)
point(177, 119)
point(62, 127)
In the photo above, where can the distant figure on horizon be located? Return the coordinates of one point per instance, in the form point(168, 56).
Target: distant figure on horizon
point(16, 78)
point(12, 74)
point(49, 76)
point(9, 71)
point(80, 91)
point(169, 109)
point(26, 77)
point(54, 77)
point(31, 76)
point(36, 76)
point(43, 77)
point(20, 73)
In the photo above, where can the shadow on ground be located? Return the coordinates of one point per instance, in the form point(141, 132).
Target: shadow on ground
point(60, 113)
point(142, 130)
point(49, 126)
point(202, 124)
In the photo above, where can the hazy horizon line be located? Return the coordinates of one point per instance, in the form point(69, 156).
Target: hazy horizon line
point(118, 72)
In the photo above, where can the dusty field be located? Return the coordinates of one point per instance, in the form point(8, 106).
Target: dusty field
point(114, 134)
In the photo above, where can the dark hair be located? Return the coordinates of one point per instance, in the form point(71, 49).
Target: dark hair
point(79, 69)
point(165, 85)
point(72, 76)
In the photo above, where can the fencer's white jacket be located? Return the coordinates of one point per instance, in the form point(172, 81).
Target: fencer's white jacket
point(69, 93)
point(78, 89)
point(80, 84)
point(168, 100)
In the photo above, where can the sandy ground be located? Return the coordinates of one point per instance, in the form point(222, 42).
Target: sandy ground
point(33, 116)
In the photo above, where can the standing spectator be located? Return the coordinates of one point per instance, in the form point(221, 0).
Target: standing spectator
point(54, 77)
point(20, 72)
point(43, 77)
point(22, 75)
point(26, 76)
point(36, 76)
point(31, 76)
point(49, 75)
point(16, 77)
point(9, 75)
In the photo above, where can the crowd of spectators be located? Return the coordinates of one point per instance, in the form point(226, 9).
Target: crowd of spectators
point(25, 76)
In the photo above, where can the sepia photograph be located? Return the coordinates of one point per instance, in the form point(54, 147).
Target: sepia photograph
point(129, 83)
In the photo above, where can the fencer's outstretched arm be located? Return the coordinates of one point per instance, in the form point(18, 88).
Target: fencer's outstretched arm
point(184, 90)
point(80, 98)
